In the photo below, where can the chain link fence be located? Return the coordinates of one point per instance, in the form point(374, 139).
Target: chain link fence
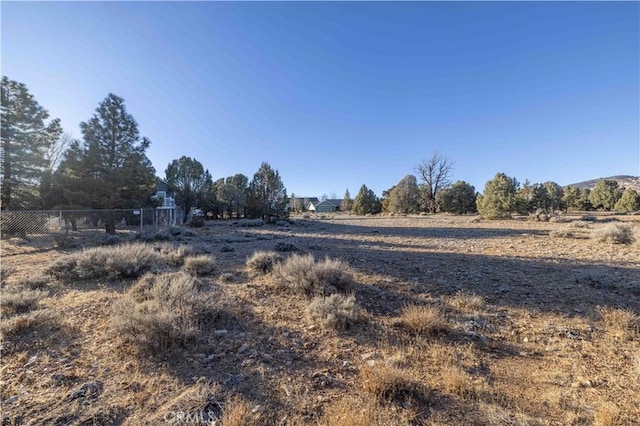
point(34, 230)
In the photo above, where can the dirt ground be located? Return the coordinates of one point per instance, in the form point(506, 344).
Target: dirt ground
point(535, 349)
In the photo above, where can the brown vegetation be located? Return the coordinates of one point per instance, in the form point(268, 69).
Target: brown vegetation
point(372, 321)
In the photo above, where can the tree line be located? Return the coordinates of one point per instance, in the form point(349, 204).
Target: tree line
point(43, 168)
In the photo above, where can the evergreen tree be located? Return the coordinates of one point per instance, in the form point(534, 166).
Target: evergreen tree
point(386, 201)
point(460, 198)
point(346, 203)
point(26, 140)
point(366, 202)
point(405, 198)
point(629, 202)
point(189, 181)
point(499, 197)
point(267, 196)
point(605, 195)
point(109, 168)
point(571, 198)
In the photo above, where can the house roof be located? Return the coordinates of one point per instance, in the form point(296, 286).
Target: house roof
point(325, 202)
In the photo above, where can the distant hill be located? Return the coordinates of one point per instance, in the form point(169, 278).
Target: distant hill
point(624, 181)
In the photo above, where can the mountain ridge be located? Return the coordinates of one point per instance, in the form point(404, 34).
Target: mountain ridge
point(624, 181)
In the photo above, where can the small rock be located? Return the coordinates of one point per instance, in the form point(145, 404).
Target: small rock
point(371, 363)
point(87, 390)
point(11, 400)
point(31, 360)
point(209, 358)
point(219, 332)
point(368, 356)
point(243, 348)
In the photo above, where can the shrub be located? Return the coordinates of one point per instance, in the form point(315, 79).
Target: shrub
point(19, 300)
point(122, 261)
point(174, 254)
point(262, 262)
point(422, 319)
point(335, 311)
point(203, 264)
point(18, 324)
point(302, 274)
point(617, 233)
point(5, 273)
point(620, 323)
point(466, 301)
point(164, 312)
point(390, 384)
point(237, 412)
point(34, 282)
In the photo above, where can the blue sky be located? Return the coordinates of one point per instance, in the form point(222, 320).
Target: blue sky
point(336, 95)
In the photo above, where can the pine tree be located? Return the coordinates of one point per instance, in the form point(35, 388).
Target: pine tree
point(499, 197)
point(267, 195)
point(346, 203)
point(460, 198)
point(26, 140)
point(366, 202)
point(605, 195)
point(629, 202)
point(189, 181)
point(405, 198)
point(108, 169)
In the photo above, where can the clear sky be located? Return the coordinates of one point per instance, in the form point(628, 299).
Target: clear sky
point(336, 95)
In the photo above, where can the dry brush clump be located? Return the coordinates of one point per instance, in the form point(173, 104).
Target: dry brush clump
point(122, 261)
point(467, 301)
point(561, 234)
point(303, 274)
point(616, 233)
point(203, 264)
point(20, 310)
point(623, 324)
point(391, 384)
point(262, 262)
point(19, 300)
point(333, 312)
point(164, 312)
point(423, 320)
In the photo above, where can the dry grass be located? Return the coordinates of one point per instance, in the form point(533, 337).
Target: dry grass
point(238, 412)
point(390, 384)
point(458, 382)
point(262, 262)
point(333, 312)
point(164, 312)
point(16, 301)
point(34, 282)
point(351, 412)
point(174, 255)
point(423, 320)
point(304, 275)
point(606, 414)
point(467, 302)
point(20, 324)
point(616, 233)
point(203, 264)
point(621, 324)
point(113, 262)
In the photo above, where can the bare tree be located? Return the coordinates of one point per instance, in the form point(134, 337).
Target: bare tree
point(435, 172)
point(57, 149)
